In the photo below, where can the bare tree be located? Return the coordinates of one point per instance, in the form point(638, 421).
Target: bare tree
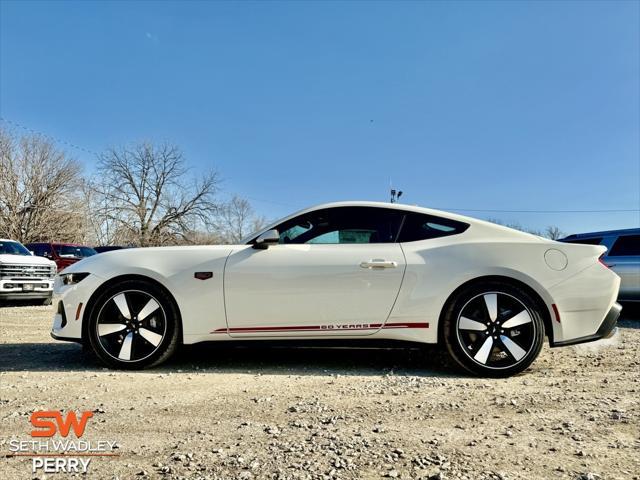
point(145, 196)
point(237, 219)
point(515, 226)
point(553, 232)
point(39, 191)
point(197, 237)
point(105, 227)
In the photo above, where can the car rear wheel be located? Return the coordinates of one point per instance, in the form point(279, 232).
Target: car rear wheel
point(134, 325)
point(493, 329)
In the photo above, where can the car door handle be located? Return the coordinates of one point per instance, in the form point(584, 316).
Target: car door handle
point(378, 263)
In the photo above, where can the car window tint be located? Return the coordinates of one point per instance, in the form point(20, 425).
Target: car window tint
point(13, 248)
point(345, 236)
point(41, 250)
point(418, 226)
point(343, 225)
point(586, 241)
point(626, 246)
point(290, 234)
point(73, 251)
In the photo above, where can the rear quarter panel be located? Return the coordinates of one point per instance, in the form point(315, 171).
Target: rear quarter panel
point(437, 267)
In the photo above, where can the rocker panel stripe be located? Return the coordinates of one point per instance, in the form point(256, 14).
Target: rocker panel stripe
point(323, 328)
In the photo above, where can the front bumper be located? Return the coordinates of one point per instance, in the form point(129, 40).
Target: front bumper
point(70, 302)
point(606, 329)
point(14, 289)
point(25, 295)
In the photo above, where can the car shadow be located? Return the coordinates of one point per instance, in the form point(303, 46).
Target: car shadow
point(215, 357)
point(260, 357)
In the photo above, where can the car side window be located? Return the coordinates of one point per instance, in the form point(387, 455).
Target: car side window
point(41, 250)
point(347, 236)
point(419, 226)
point(343, 225)
point(625, 246)
point(293, 232)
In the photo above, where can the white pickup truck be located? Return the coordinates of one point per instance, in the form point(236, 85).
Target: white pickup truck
point(23, 276)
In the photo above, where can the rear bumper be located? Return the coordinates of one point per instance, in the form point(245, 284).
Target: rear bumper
point(605, 330)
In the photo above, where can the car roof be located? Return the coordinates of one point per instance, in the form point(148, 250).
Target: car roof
point(604, 233)
point(396, 206)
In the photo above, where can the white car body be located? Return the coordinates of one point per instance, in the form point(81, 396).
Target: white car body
point(321, 291)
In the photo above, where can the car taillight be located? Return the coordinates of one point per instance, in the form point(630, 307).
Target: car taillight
point(600, 259)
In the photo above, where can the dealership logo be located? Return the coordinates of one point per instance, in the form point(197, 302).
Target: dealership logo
point(66, 454)
point(48, 428)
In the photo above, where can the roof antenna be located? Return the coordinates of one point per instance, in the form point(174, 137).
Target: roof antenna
point(395, 194)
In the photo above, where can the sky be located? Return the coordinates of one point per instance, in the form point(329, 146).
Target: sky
point(476, 106)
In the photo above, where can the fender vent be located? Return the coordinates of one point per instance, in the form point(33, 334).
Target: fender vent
point(203, 275)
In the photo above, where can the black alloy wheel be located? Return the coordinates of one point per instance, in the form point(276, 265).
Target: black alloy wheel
point(133, 325)
point(494, 330)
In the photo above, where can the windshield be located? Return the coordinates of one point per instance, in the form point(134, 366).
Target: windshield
point(13, 248)
point(72, 251)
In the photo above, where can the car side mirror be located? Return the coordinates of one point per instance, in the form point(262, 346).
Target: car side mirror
point(270, 237)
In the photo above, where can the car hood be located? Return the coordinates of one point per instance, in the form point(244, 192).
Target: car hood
point(25, 260)
point(166, 259)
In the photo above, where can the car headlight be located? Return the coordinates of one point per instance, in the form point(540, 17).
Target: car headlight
point(73, 278)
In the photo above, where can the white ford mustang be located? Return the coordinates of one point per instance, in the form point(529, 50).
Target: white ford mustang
point(350, 270)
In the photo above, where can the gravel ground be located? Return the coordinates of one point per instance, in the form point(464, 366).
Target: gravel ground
point(221, 412)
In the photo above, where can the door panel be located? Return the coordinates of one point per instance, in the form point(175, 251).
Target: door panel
point(312, 289)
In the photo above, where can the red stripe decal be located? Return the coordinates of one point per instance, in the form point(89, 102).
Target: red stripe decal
point(315, 328)
point(406, 325)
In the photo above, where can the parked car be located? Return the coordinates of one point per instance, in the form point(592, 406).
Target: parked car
point(108, 248)
point(622, 256)
point(346, 271)
point(64, 254)
point(23, 276)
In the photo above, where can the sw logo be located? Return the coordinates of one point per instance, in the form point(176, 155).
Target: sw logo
point(48, 428)
point(47, 424)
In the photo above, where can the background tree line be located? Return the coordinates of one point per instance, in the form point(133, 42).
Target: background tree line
point(142, 195)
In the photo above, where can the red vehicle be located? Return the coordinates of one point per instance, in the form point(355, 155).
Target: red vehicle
point(64, 254)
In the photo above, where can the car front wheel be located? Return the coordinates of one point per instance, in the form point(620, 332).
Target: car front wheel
point(493, 329)
point(133, 325)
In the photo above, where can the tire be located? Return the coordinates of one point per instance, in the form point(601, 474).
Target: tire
point(133, 325)
point(493, 329)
